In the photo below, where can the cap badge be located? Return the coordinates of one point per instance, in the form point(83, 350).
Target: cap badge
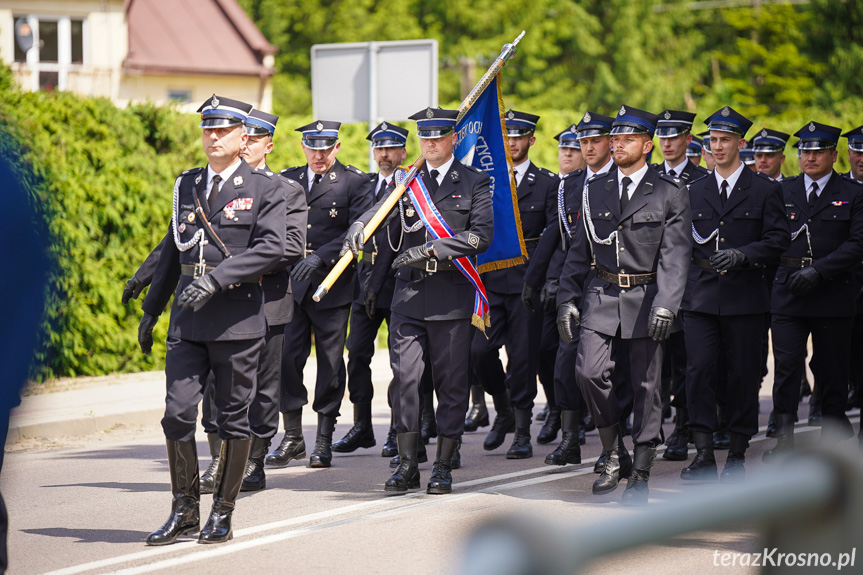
point(429, 113)
point(214, 101)
point(725, 112)
point(238, 181)
point(510, 115)
point(622, 110)
point(573, 129)
point(763, 133)
point(811, 127)
point(586, 117)
point(384, 126)
point(319, 126)
point(667, 115)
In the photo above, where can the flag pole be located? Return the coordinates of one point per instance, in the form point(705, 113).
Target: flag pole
point(507, 52)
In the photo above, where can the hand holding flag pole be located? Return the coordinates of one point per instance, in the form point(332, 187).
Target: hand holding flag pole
point(507, 52)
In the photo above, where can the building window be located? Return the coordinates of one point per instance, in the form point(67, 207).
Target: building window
point(57, 49)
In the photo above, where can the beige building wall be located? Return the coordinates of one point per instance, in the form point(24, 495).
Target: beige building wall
point(105, 47)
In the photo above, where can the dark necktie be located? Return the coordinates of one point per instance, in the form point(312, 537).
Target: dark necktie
point(315, 182)
point(381, 189)
point(624, 192)
point(214, 191)
point(723, 193)
point(813, 195)
point(433, 182)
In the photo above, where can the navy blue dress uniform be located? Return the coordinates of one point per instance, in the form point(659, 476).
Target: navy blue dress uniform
point(514, 326)
point(338, 198)
point(227, 230)
point(542, 276)
point(433, 305)
point(855, 148)
point(739, 231)
point(815, 287)
point(673, 123)
point(278, 309)
point(641, 251)
point(371, 307)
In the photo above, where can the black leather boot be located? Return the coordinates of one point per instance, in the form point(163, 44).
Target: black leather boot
point(599, 466)
point(293, 446)
point(361, 434)
point(207, 479)
point(703, 466)
point(784, 437)
point(677, 444)
point(422, 456)
point(185, 491)
point(771, 425)
point(456, 456)
point(322, 455)
point(569, 448)
point(618, 463)
point(721, 439)
point(440, 482)
point(478, 415)
point(637, 492)
point(548, 432)
point(407, 474)
point(521, 447)
point(734, 472)
point(428, 423)
point(390, 446)
point(232, 467)
point(504, 422)
point(255, 479)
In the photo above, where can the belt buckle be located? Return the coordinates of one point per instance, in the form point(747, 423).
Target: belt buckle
point(805, 262)
point(623, 280)
point(431, 265)
point(199, 270)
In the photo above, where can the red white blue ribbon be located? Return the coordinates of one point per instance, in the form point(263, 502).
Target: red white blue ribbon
point(438, 228)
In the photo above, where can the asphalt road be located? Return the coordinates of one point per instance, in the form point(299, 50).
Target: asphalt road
point(87, 508)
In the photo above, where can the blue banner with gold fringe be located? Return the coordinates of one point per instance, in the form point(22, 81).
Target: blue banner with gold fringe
point(482, 143)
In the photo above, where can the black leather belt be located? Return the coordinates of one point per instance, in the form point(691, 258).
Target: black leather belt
point(702, 263)
point(626, 280)
point(193, 271)
point(432, 265)
point(531, 242)
point(276, 272)
point(796, 263)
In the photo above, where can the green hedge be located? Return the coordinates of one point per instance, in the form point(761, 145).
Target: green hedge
point(102, 178)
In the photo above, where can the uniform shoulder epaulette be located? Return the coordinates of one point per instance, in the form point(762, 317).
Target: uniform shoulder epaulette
point(790, 178)
point(674, 180)
point(699, 178)
point(764, 176)
point(291, 169)
point(266, 173)
point(289, 180)
point(192, 171)
point(356, 170)
point(473, 169)
point(546, 173)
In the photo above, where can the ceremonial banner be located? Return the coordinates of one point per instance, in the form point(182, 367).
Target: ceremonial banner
point(482, 143)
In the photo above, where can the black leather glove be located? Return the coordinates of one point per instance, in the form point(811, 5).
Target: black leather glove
point(370, 300)
point(528, 297)
point(804, 281)
point(303, 269)
point(659, 323)
point(724, 260)
point(548, 295)
point(198, 292)
point(568, 318)
point(353, 239)
point(133, 289)
point(409, 256)
point(145, 332)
